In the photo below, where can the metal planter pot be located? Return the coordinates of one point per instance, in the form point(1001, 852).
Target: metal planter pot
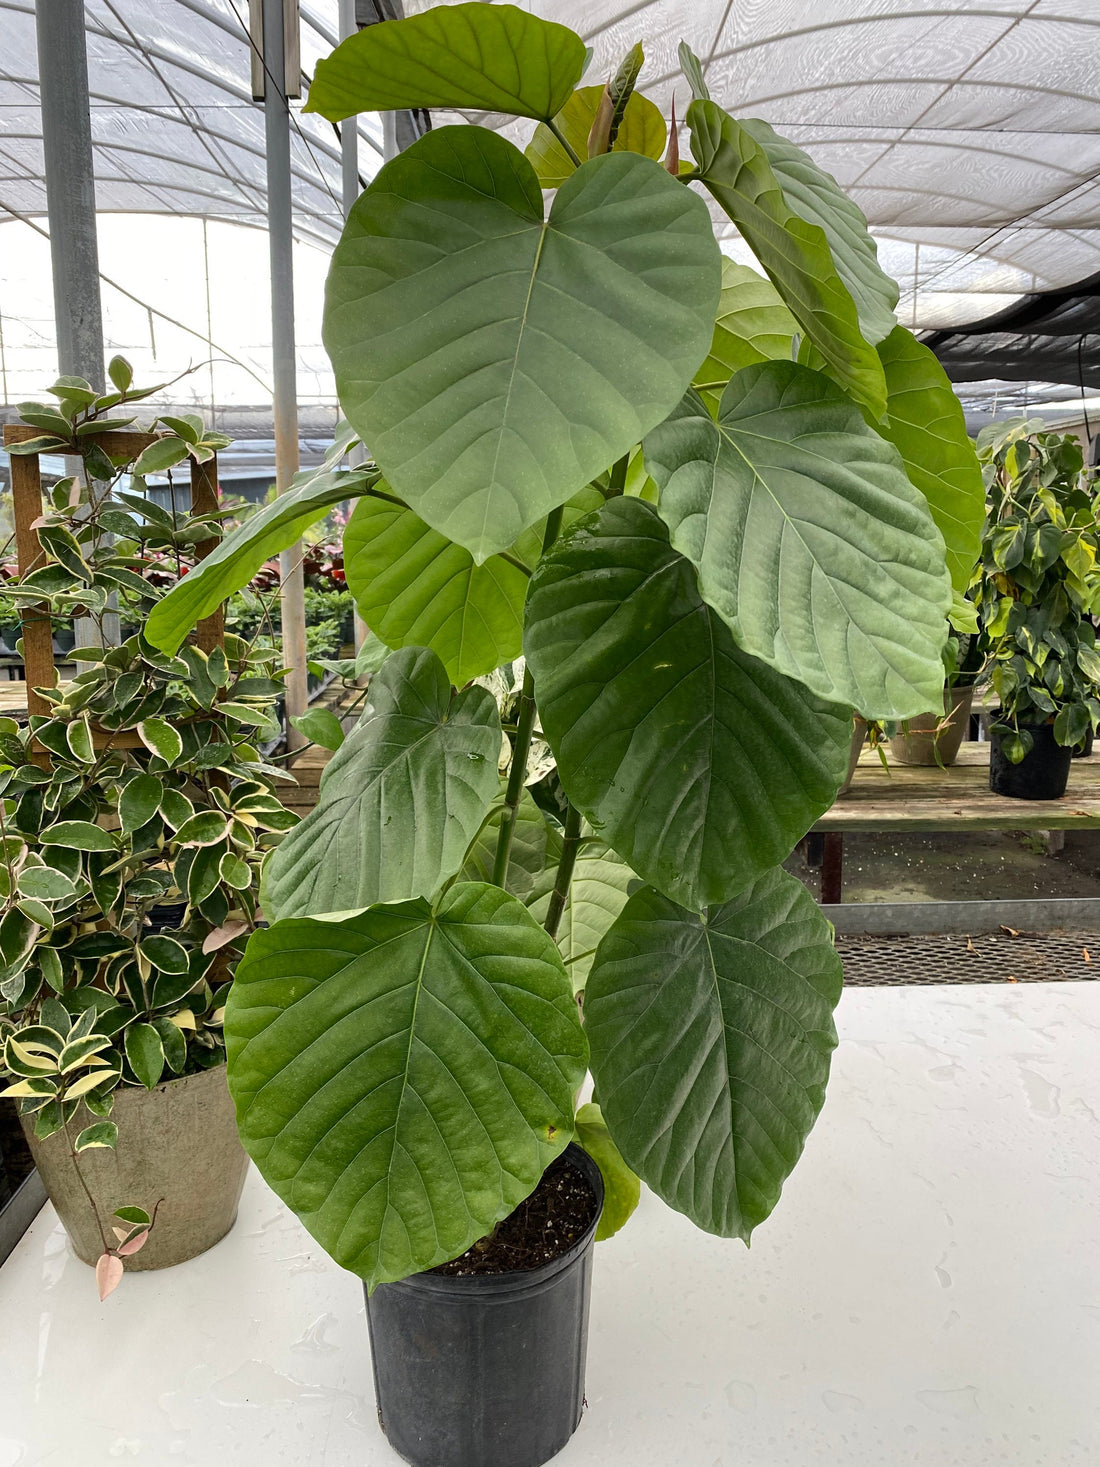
point(177, 1142)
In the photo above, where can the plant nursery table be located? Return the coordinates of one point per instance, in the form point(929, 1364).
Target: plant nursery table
point(927, 1293)
point(921, 798)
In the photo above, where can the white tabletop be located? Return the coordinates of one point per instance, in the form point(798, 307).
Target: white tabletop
point(928, 1292)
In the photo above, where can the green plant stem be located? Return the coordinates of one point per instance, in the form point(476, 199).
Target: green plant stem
point(525, 725)
point(556, 130)
point(83, 1183)
point(618, 475)
point(517, 772)
point(570, 846)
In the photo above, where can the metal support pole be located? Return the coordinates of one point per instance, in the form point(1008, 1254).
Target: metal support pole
point(349, 157)
point(70, 206)
point(281, 241)
point(70, 187)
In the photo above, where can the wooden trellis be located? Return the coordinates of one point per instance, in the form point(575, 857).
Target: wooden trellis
point(27, 505)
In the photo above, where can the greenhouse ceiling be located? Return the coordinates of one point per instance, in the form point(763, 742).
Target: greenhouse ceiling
point(968, 133)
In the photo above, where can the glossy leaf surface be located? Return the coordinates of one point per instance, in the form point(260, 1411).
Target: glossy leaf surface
point(403, 1077)
point(808, 537)
point(400, 800)
point(924, 421)
point(795, 254)
point(697, 764)
point(496, 361)
point(711, 1038)
point(488, 58)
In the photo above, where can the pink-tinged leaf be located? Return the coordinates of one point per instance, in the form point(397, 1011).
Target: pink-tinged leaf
point(672, 157)
point(121, 1233)
point(108, 1274)
point(223, 934)
point(136, 1243)
point(39, 522)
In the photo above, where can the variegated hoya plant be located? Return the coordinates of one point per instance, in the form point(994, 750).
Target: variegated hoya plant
point(716, 508)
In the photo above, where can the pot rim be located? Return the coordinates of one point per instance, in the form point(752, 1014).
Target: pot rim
point(515, 1281)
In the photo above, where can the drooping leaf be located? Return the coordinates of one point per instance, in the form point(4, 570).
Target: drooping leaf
point(402, 1076)
point(400, 801)
point(816, 196)
point(321, 726)
point(711, 1038)
point(700, 766)
point(241, 553)
point(808, 537)
point(753, 325)
point(103, 1133)
point(496, 361)
point(416, 588)
point(642, 130)
point(485, 58)
point(139, 801)
point(924, 421)
point(161, 738)
point(621, 1188)
point(597, 894)
point(795, 254)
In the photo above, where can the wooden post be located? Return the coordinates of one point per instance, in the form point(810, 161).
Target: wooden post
point(26, 488)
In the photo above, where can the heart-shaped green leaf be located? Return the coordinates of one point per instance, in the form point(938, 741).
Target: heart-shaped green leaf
point(403, 1077)
point(642, 130)
point(400, 801)
point(700, 766)
point(924, 421)
point(816, 197)
point(795, 254)
point(808, 537)
point(488, 58)
point(241, 553)
point(416, 588)
point(711, 1038)
point(753, 325)
point(496, 361)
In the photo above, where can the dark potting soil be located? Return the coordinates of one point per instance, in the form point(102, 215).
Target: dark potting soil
point(542, 1228)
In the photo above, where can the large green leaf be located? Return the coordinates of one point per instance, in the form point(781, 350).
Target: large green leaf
point(924, 421)
point(817, 197)
point(700, 766)
point(711, 1038)
point(753, 325)
point(808, 537)
point(795, 253)
point(244, 550)
point(642, 130)
point(491, 58)
point(496, 362)
point(399, 802)
point(416, 588)
point(596, 896)
point(402, 1076)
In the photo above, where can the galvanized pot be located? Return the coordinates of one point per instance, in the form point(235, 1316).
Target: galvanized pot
point(177, 1142)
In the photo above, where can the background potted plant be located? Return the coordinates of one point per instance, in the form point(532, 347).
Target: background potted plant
point(935, 738)
point(134, 819)
point(405, 1043)
point(1037, 587)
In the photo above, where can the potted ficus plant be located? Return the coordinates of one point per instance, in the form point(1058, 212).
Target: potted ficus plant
point(134, 815)
point(405, 1043)
point(1037, 588)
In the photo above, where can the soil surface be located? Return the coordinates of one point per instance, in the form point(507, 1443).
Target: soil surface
point(542, 1228)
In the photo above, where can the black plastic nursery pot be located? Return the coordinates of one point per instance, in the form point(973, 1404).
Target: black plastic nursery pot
point(1042, 774)
point(485, 1370)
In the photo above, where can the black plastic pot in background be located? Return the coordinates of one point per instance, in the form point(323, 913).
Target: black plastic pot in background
point(1042, 774)
point(1084, 749)
point(486, 1370)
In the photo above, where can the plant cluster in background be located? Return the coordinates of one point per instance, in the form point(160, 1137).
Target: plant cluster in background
point(1037, 587)
point(135, 815)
